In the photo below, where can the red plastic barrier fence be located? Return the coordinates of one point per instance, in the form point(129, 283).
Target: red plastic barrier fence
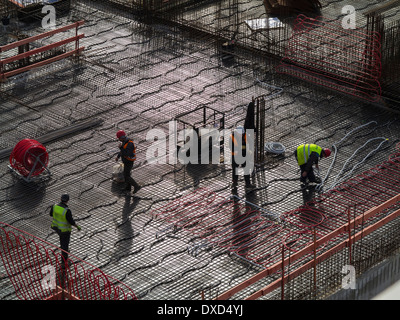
point(7, 68)
point(38, 271)
point(343, 216)
point(246, 232)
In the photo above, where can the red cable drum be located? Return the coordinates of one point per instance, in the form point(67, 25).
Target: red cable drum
point(29, 157)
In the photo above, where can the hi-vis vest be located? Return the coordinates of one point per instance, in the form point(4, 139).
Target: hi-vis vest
point(235, 147)
point(60, 219)
point(134, 151)
point(304, 151)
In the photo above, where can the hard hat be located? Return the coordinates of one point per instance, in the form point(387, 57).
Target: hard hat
point(240, 130)
point(120, 134)
point(327, 152)
point(65, 197)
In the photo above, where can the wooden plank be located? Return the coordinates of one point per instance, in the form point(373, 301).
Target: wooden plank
point(17, 3)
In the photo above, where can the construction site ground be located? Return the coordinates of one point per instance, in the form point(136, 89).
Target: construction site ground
point(139, 77)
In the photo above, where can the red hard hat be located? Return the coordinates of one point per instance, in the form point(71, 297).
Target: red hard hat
point(121, 133)
point(327, 152)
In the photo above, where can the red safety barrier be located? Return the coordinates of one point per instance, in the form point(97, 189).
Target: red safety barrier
point(368, 200)
point(324, 53)
point(38, 271)
point(245, 231)
point(7, 65)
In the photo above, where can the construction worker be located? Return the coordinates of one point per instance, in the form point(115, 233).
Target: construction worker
point(307, 155)
point(239, 134)
point(62, 222)
point(128, 155)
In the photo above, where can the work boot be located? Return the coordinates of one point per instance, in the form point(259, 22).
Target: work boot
point(318, 180)
point(250, 187)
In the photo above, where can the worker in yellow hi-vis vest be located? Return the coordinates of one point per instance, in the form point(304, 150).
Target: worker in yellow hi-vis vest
point(62, 223)
point(307, 155)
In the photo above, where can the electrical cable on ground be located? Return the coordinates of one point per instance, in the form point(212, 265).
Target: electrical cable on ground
point(342, 179)
point(275, 147)
point(319, 188)
point(271, 86)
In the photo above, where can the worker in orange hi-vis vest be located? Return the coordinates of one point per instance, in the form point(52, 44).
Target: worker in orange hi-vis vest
point(128, 155)
point(238, 144)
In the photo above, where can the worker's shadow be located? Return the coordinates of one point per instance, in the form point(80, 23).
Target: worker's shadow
point(196, 172)
point(251, 198)
point(123, 244)
point(117, 188)
point(243, 218)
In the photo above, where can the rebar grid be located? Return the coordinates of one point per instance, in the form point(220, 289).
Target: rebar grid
point(327, 278)
point(243, 230)
point(326, 53)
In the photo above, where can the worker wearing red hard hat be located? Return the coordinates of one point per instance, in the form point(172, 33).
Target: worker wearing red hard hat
point(128, 156)
point(307, 155)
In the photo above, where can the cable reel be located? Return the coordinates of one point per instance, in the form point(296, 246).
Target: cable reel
point(29, 160)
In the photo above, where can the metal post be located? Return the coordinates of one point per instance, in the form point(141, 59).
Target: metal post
point(283, 274)
point(349, 231)
point(315, 264)
point(1, 72)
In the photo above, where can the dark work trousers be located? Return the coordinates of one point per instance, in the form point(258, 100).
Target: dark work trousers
point(129, 181)
point(310, 175)
point(235, 176)
point(64, 243)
